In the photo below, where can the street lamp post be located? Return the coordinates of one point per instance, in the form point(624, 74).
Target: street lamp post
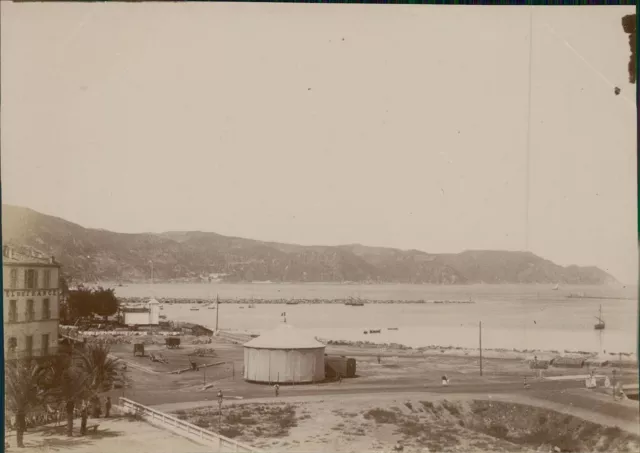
point(220, 397)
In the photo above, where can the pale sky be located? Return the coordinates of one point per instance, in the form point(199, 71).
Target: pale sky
point(400, 126)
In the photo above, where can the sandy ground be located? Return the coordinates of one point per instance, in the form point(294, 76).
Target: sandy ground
point(113, 435)
point(420, 422)
point(325, 419)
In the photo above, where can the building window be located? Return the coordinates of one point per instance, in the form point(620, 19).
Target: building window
point(31, 312)
point(45, 344)
point(13, 311)
point(46, 309)
point(13, 278)
point(46, 279)
point(30, 279)
point(28, 350)
point(12, 344)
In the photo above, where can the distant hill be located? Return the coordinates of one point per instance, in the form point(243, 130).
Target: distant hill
point(98, 255)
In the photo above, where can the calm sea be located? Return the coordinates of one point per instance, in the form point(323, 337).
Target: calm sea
point(513, 316)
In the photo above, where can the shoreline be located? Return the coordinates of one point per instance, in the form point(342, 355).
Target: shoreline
point(495, 353)
point(458, 351)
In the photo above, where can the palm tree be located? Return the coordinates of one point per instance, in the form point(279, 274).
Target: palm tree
point(101, 369)
point(22, 392)
point(66, 383)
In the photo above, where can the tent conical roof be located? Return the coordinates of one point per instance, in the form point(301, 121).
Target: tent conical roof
point(285, 336)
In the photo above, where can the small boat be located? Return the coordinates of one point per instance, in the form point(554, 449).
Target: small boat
point(374, 331)
point(211, 307)
point(194, 309)
point(241, 306)
point(392, 328)
point(251, 306)
point(600, 325)
point(354, 303)
point(292, 302)
point(555, 288)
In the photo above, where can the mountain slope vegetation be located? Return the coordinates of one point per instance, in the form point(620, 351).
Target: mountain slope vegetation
point(90, 255)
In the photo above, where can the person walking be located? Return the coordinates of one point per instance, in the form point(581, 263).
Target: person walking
point(84, 415)
point(107, 407)
point(277, 389)
point(339, 378)
point(614, 384)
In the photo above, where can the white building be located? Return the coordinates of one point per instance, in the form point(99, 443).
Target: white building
point(285, 355)
point(31, 304)
point(149, 315)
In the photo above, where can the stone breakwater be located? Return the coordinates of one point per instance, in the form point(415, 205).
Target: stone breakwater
point(245, 301)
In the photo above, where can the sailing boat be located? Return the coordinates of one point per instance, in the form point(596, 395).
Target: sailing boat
point(555, 288)
point(600, 325)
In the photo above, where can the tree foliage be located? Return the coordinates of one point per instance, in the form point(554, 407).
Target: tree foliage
point(30, 385)
point(101, 369)
point(80, 302)
point(104, 302)
point(84, 302)
point(23, 392)
point(629, 26)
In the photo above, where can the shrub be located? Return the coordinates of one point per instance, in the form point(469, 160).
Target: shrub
point(380, 416)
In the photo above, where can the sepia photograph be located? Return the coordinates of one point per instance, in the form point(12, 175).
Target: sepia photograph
point(312, 228)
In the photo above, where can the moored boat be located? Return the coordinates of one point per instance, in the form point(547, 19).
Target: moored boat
point(600, 325)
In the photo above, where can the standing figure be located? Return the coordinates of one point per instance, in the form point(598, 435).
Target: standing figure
point(277, 389)
point(525, 383)
point(339, 378)
point(445, 380)
point(21, 427)
point(107, 407)
point(96, 407)
point(378, 359)
point(84, 415)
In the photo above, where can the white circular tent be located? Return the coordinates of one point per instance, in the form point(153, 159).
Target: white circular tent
point(285, 355)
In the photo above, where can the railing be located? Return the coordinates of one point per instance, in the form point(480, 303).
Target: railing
point(219, 442)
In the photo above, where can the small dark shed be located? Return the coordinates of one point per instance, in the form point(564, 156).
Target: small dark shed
point(196, 329)
point(339, 365)
point(172, 342)
point(568, 362)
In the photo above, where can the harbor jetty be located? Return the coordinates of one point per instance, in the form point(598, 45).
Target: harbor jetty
point(254, 301)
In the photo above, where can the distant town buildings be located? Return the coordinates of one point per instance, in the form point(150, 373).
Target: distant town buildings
point(31, 304)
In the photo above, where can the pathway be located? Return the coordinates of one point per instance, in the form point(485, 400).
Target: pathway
point(113, 435)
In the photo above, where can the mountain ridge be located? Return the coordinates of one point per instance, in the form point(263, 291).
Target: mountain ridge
point(90, 254)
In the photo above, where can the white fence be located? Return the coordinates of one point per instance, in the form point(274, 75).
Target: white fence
point(186, 429)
